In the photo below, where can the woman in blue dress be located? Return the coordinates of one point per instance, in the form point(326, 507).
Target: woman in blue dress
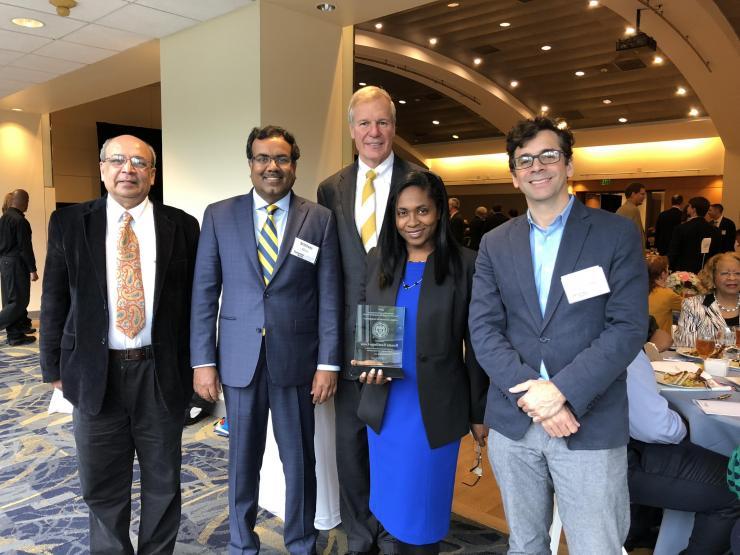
point(413, 452)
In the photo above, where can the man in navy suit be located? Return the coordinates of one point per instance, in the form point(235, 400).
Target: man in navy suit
point(275, 343)
point(558, 311)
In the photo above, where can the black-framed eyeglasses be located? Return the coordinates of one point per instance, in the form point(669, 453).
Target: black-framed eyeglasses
point(119, 160)
point(550, 156)
point(280, 161)
point(477, 470)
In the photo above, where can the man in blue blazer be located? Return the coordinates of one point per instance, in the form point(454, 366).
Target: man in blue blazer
point(275, 342)
point(558, 311)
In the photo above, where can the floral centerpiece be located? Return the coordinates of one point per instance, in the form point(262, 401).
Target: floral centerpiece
point(685, 284)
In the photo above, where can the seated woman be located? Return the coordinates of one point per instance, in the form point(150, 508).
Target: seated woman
point(413, 456)
point(662, 301)
point(710, 314)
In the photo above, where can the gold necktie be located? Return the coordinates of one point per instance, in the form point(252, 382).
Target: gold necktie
point(368, 231)
point(130, 313)
point(267, 247)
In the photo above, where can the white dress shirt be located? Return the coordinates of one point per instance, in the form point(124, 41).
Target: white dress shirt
point(142, 224)
point(280, 216)
point(382, 182)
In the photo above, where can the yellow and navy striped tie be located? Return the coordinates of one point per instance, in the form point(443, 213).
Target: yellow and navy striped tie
point(267, 248)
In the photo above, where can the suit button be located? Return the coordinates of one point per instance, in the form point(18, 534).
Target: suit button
point(266, 295)
point(544, 339)
point(102, 341)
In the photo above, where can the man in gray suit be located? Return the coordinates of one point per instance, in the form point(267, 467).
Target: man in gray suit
point(357, 195)
point(273, 259)
point(558, 311)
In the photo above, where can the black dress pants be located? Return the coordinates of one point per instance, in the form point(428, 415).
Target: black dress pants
point(16, 293)
point(134, 420)
point(686, 477)
point(363, 530)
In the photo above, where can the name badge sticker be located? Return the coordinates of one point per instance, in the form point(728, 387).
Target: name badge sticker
point(304, 250)
point(705, 244)
point(585, 284)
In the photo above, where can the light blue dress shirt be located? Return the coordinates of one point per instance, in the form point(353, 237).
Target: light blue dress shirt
point(280, 216)
point(544, 243)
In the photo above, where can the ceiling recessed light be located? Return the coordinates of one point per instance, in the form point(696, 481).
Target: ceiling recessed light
point(433, 41)
point(17, 109)
point(562, 124)
point(546, 47)
point(362, 84)
point(593, 3)
point(326, 7)
point(657, 59)
point(456, 136)
point(604, 70)
point(580, 73)
point(680, 91)
point(622, 120)
point(27, 22)
point(607, 101)
point(544, 109)
point(435, 122)
point(629, 30)
point(514, 84)
point(504, 24)
point(478, 61)
point(402, 102)
point(453, 4)
point(693, 112)
point(378, 26)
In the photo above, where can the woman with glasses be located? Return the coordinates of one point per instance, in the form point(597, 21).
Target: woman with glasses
point(711, 314)
point(413, 452)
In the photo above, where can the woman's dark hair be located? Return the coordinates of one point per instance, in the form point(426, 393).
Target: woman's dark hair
point(392, 247)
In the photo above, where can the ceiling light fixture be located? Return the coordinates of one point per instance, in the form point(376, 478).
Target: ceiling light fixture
point(629, 30)
point(16, 109)
point(593, 3)
point(478, 61)
point(622, 120)
point(402, 102)
point(544, 109)
point(693, 112)
point(455, 136)
point(546, 47)
point(680, 91)
point(453, 4)
point(504, 24)
point(433, 41)
point(514, 84)
point(63, 6)
point(580, 73)
point(657, 60)
point(326, 7)
point(607, 101)
point(435, 122)
point(362, 84)
point(378, 26)
point(27, 22)
point(562, 124)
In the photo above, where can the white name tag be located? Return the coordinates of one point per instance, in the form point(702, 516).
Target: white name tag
point(705, 244)
point(585, 284)
point(304, 250)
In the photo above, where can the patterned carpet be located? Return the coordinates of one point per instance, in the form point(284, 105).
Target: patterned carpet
point(40, 507)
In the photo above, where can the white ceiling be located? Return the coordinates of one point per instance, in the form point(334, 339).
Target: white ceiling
point(94, 30)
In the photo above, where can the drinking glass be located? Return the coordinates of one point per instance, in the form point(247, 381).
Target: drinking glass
point(705, 344)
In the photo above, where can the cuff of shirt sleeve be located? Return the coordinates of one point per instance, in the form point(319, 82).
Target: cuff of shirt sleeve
point(204, 365)
point(328, 367)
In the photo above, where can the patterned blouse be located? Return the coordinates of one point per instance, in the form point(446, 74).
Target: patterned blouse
point(699, 315)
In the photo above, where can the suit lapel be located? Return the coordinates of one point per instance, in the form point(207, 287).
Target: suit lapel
point(347, 190)
point(94, 230)
point(244, 218)
point(571, 244)
point(522, 257)
point(296, 214)
point(164, 231)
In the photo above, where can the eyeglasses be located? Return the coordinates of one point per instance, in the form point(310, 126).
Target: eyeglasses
point(545, 157)
point(119, 160)
point(264, 160)
point(729, 274)
point(477, 470)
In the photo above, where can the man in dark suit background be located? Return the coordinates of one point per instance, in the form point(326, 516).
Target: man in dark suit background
point(725, 225)
point(272, 258)
point(496, 217)
point(478, 226)
point(17, 269)
point(457, 222)
point(558, 311)
point(358, 199)
point(668, 220)
point(115, 310)
point(695, 241)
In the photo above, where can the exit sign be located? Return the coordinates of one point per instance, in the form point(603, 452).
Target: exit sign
point(606, 181)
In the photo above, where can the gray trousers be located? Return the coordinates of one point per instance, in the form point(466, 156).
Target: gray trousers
point(590, 486)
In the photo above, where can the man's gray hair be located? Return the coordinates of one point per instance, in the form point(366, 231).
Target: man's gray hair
point(367, 94)
point(151, 149)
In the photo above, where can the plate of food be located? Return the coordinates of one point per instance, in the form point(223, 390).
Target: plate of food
point(693, 354)
point(682, 374)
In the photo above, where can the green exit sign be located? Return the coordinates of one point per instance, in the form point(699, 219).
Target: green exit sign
point(606, 181)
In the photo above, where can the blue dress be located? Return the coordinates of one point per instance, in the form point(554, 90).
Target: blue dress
point(411, 485)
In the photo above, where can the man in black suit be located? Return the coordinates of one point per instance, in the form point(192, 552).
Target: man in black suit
point(668, 220)
point(695, 241)
point(478, 226)
point(496, 217)
point(457, 222)
point(358, 195)
point(17, 269)
point(115, 313)
point(725, 225)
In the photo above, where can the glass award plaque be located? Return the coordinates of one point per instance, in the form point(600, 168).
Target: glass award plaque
point(379, 339)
